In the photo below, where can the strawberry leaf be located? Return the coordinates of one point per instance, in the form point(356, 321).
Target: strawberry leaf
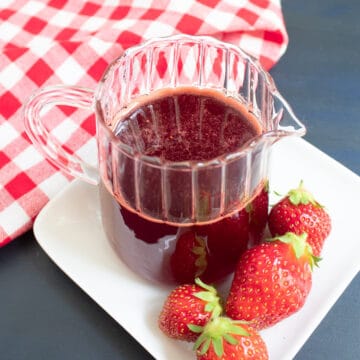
point(200, 252)
point(230, 339)
point(218, 330)
point(298, 242)
point(218, 346)
point(300, 246)
point(205, 346)
point(238, 330)
point(206, 296)
point(302, 196)
point(202, 343)
point(195, 328)
point(210, 297)
point(204, 286)
point(314, 261)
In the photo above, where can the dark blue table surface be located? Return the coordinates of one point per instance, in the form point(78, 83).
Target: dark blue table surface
point(320, 74)
point(44, 315)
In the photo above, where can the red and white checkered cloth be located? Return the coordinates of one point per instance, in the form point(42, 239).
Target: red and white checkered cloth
point(66, 41)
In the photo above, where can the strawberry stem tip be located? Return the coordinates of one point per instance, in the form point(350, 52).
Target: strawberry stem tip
point(300, 246)
point(211, 298)
point(302, 196)
point(215, 332)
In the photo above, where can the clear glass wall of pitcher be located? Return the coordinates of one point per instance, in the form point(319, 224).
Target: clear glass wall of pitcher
point(185, 127)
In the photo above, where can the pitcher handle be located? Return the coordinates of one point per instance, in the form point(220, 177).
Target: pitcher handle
point(42, 138)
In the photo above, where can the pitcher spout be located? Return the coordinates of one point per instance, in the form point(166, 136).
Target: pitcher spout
point(284, 122)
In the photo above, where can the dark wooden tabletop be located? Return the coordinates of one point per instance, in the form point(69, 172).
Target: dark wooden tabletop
point(44, 315)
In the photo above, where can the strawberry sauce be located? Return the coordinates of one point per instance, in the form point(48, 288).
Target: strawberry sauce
point(184, 124)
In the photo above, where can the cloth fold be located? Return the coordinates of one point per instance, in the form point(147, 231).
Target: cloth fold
point(68, 42)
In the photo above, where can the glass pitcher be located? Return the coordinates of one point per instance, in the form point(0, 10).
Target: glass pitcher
point(174, 217)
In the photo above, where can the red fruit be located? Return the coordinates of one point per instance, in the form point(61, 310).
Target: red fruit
point(228, 239)
point(189, 260)
point(188, 305)
point(223, 338)
point(258, 211)
point(272, 281)
point(300, 213)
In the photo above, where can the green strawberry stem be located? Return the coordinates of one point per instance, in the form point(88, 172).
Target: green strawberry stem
point(210, 297)
point(200, 251)
point(300, 246)
point(215, 332)
point(302, 196)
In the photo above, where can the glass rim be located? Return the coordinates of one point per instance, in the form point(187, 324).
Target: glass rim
point(156, 161)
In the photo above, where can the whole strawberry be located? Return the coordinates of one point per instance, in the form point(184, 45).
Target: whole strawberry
point(190, 257)
point(189, 305)
point(258, 215)
point(299, 212)
point(227, 240)
point(272, 281)
point(223, 338)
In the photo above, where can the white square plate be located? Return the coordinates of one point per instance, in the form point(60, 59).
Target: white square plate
point(70, 232)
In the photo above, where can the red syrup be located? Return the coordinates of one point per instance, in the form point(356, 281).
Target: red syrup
point(184, 124)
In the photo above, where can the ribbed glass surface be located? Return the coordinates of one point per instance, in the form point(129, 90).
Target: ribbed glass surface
point(193, 190)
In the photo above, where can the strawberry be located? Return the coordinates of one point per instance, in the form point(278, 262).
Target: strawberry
point(189, 259)
point(223, 338)
point(258, 215)
point(272, 281)
point(227, 240)
point(186, 306)
point(299, 212)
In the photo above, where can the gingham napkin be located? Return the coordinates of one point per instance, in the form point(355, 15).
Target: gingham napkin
point(58, 41)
